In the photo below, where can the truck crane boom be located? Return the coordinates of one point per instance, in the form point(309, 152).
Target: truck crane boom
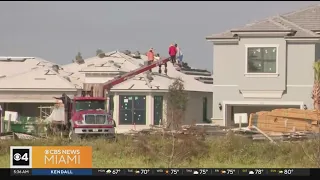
point(117, 80)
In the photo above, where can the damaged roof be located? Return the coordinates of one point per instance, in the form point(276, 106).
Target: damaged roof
point(34, 73)
point(302, 23)
point(37, 78)
point(15, 65)
point(121, 63)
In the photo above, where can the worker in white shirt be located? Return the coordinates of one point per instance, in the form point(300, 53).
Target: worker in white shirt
point(179, 55)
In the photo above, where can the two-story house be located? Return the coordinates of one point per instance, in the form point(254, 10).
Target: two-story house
point(265, 65)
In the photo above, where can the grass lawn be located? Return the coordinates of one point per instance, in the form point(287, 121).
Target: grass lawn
point(159, 152)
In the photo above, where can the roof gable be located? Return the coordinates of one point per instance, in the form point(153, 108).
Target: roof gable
point(307, 18)
point(302, 23)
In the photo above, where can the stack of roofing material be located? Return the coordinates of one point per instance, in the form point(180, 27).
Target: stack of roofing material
point(95, 88)
point(286, 120)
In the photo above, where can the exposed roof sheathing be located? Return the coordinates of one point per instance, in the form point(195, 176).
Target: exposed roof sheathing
point(120, 62)
point(39, 78)
point(34, 73)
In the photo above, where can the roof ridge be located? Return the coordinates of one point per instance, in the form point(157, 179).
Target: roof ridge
point(44, 60)
point(251, 23)
point(128, 58)
point(269, 19)
point(279, 24)
point(256, 22)
point(297, 26)
point(302, 9)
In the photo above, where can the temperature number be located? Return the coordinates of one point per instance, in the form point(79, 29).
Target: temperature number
point(174, 171)
point(230, 171)
point(258, 171)
point(288, 171)
point(203, 171)
point(145, 171)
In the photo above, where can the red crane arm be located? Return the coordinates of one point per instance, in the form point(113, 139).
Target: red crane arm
point(109, 84)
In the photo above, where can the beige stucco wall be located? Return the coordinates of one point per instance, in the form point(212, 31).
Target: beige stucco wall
point(295, 71)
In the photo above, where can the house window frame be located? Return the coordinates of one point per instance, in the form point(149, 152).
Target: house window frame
point(154, 109)
point(267, 75)
point(133, 109)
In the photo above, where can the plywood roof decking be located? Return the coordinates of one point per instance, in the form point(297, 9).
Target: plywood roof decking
point(38, 74)
point(9, 68)
point(127, 63)
point(39, 78)
point(34, 73)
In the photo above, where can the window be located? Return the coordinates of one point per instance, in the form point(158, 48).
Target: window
point(157, 112)
point(262, 60)
point(89, 104)
point(132, 110)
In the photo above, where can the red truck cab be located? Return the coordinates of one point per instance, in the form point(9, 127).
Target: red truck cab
point(88, 117)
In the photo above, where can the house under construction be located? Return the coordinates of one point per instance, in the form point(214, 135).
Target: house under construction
point(140, 100)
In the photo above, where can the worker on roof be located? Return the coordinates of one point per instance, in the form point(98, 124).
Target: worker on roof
point(150, 56)
point(179, 55)
point(173, 53)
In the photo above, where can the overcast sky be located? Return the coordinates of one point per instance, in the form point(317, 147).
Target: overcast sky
point(56, 31)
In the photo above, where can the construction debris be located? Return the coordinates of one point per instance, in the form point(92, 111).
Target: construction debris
point(196, 130)
point(16, 136)
point(286, 136)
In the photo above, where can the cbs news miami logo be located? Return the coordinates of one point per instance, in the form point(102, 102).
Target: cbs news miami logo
point(50, 157)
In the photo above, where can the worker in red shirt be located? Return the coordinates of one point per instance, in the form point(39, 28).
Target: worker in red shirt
point(150, 56)
point(173, 53)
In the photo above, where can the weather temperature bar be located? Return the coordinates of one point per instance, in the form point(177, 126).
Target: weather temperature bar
point(202, 172)
point(164, 172)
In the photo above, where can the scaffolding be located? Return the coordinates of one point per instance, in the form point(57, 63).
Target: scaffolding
point(45, 112)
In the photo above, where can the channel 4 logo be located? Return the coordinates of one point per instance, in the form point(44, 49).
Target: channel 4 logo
point(50, 157)
point(20, 156)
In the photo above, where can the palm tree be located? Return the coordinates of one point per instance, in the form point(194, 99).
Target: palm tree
point(316, 86)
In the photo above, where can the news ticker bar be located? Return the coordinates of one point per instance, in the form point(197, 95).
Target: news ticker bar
point(160, 172)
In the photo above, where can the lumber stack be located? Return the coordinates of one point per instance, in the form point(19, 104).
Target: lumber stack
point(286, 120)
